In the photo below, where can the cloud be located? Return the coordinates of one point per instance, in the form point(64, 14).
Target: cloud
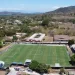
point(8, 9)
point(26, 8)
point(55, 7)
point(13, 8)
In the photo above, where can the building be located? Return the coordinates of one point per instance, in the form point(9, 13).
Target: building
point(37, 37)
point(61, 38)
point(73, 48)
point(71, 72)
point(19, 35)
point(17, 22)
point(8, 38)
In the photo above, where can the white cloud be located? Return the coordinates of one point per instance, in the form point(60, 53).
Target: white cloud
point(8, 9)
point(55, 7)
point(23, 7)
point(14, 8)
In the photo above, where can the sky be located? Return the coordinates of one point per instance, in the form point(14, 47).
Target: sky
point(31, 6)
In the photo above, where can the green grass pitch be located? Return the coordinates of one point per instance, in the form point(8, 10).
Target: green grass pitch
point(41, 53)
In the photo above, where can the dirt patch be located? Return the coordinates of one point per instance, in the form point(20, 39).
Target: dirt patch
point(72, 37)
point(5, 47)
point(2, 72)
point(48, 39)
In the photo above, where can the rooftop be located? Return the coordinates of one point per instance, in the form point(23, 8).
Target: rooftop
point(61, 37)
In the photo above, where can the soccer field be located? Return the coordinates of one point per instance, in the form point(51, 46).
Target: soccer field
point(41, 53)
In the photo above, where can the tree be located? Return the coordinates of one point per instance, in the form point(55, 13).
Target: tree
point(25, 29)
point(33, 65)
point(49, 70)
point(14, 38)
point(70, 42)
point(39, 67)
point(73, 21)
point(62, 70)
point(2, 33)
point(73, 59)
point(1, 44)
point(10, 32)
point(45, 22)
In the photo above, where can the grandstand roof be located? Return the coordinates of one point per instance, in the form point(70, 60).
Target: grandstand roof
point(61, 37)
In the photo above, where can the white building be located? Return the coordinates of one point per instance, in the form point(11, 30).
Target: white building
point(37, 37)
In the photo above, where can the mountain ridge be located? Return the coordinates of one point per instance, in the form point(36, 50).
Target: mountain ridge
point(63, 10)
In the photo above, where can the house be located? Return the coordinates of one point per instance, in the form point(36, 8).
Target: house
point(9, 22)
point(8, 38)
point(17, 22)
point(19, 35)
point(71, 72)
point(61, 38)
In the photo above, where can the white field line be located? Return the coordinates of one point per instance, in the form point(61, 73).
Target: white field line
point(11, 45)
point(9, 57)
point(56, 55)
point(54, 45)
point(35, 53)
point(13, 55)
point(29, 54)
point(7, 61)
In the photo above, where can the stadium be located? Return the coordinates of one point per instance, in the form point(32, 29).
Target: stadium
point(43, 53)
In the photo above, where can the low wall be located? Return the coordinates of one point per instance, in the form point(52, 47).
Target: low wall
point(63, 67)
point(60, 43)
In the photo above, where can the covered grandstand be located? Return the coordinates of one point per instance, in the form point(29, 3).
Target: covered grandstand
point(37, 37)
point(61, 38)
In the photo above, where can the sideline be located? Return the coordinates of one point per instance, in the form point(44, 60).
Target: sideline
point(4, 49)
